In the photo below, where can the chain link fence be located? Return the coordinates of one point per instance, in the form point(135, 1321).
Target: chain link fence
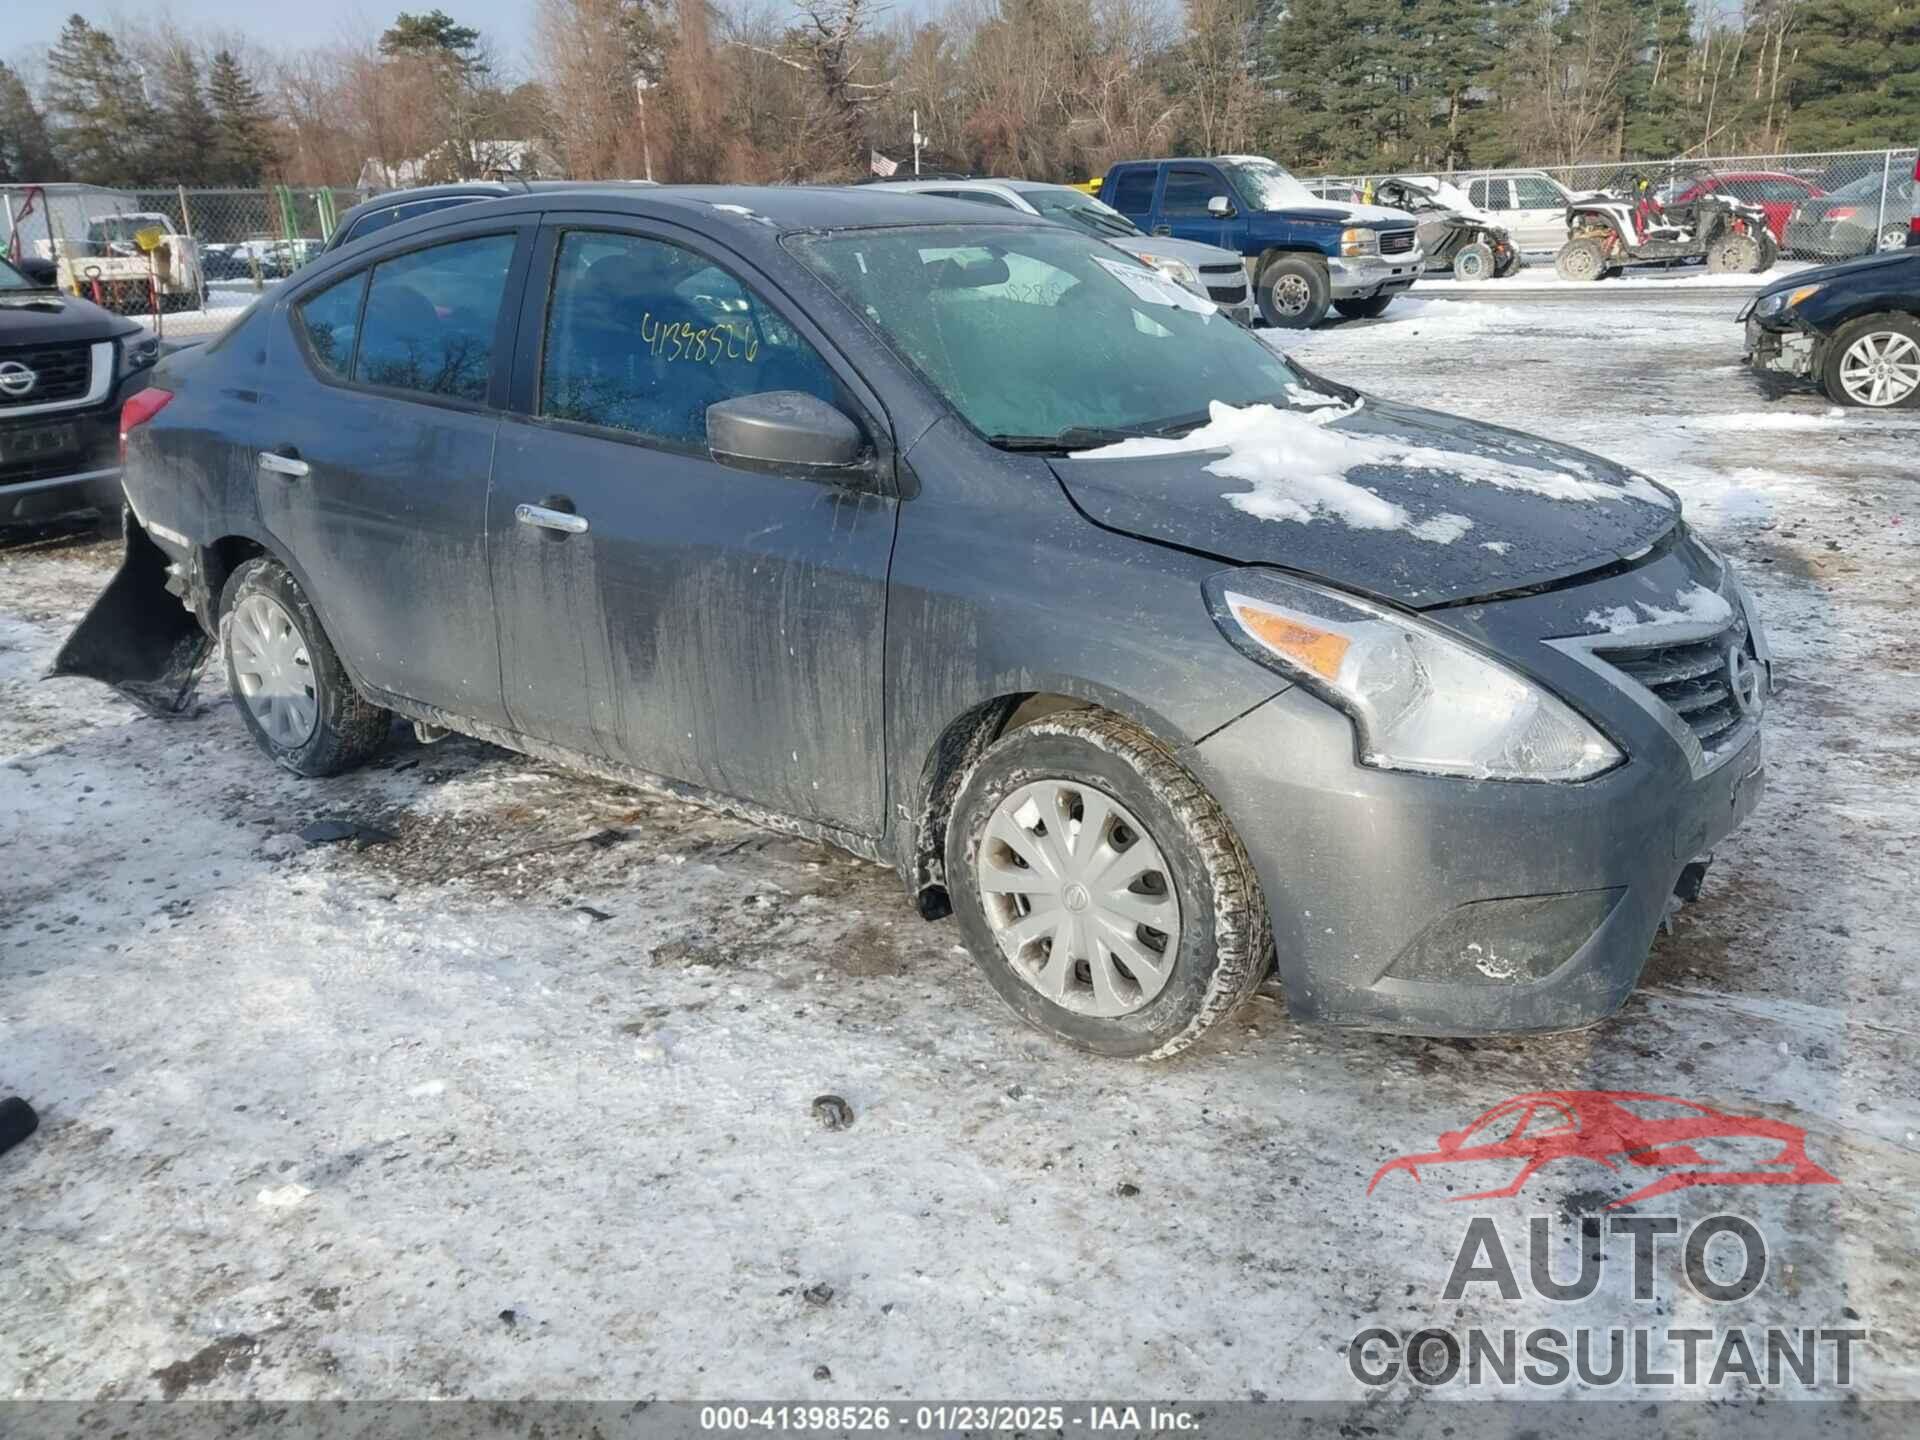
point(1821, 205)
point(185, 261)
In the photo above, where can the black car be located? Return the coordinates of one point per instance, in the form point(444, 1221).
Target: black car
point(66, 369)
point(1865, 215)
point(1853, 328)
point(964, 541)
point(370, 217)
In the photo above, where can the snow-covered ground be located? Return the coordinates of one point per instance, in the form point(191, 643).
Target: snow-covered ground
point(519, 1103)
point(1538, 274)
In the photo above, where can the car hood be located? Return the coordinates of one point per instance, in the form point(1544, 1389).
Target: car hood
point(1377, 216)
point(1406, 504)
point(1821, 274)
point(47, 317)
point(1191, 251)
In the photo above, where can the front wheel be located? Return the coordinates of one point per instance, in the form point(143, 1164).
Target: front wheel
point(1293, 292)
point(1475, 262)
point(1580, 261)
point(1102, 890)
point(1371, 308)
point(1874, 361)
point(290, 687)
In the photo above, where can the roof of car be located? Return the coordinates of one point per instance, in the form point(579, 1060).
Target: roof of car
point(795, 207)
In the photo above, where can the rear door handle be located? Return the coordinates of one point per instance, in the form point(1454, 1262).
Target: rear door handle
point(545, 519)
point(291, 466)
point(1163, 230)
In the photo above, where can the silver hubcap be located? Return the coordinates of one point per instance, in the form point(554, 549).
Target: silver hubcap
point(275, 674)
point(1894, 237)
point(1291, 295)
point(1583, 263)
point(1079, 897)
point(1881, 369)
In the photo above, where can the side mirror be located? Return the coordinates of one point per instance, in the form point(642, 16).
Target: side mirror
point(786, 431)
point(1220, 207)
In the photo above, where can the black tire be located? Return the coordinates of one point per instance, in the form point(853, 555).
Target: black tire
point(1769, 252)
point(1733, 253)
point(1226, 938)
point(1293, 292)
point(347, 730)
point(1475, 262)
point(1580, 261)
point(1507, 266)
point(1371, 308)
point(1833, 357)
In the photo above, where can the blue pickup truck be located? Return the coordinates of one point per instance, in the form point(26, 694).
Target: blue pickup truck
point(1304, 255)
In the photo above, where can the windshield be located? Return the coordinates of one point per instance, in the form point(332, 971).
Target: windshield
point(1265, 185)
point(1867, 187)
point(120, 229)
point(1081, 210)
point(1033, 332)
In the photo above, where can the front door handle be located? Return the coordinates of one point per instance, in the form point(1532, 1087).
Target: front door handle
point(290, 465)
point(545, 519)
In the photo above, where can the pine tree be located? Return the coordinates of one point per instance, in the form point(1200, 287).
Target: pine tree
point(1856, 75)
point(103, 125)
point(243, 148)
point(26, 150)
point(186, 131)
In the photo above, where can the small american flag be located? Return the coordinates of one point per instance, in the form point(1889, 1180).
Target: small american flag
point(881, 164)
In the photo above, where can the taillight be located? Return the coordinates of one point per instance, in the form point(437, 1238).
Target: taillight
point(141, 407)
point(1842, 212)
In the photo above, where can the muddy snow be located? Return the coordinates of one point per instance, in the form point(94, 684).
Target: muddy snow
point(522, 1101)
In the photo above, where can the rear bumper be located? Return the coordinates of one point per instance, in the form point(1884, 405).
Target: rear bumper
point(1435, 906)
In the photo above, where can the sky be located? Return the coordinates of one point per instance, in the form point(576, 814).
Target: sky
point(30, 28)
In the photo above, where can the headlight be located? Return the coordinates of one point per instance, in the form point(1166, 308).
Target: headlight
point(1419, 699)
point(1359, 241)
point(137, 352)
point(1177, 271)
point(1785, 299)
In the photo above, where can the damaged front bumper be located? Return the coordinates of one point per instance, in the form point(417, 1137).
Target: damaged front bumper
point(1362, 277)
point(1434, 905)
point(1781, 352)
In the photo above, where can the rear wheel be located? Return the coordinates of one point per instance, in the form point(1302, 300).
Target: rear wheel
point(1733, 253)
point(1508, 264)
point(1893, 236)
point(290, 687)
point(1370, 308)
point(1293, 292)
point(1475, 262)
point(1874, 361)
point(1580, 260)
point(1101, 889)
point(1769, 252)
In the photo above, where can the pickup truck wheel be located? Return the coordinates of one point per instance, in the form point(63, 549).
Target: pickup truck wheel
point(1370, 308)
point(1474, 262)
point(1580, 260)
point(1873, 361)
point(290, 688)
point(1293, 292)
point(1102, 890)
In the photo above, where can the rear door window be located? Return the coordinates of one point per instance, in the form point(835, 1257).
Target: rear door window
point(431, 317)
point(1132, 192)
point(1490, 195)
point(329, 321)
point(642, 336)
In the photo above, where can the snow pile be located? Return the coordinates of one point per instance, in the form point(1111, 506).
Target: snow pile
point(1695, 605)
point(1297, 466)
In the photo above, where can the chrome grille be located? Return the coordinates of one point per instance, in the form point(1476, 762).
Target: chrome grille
point(61, 372)
point(1694, 679)
point(1396, 242)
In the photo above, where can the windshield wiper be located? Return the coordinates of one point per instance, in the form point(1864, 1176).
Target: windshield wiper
point(1092, 437)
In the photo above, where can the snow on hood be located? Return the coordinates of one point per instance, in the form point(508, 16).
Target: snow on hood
point(1296, 465)
point(1375, 495)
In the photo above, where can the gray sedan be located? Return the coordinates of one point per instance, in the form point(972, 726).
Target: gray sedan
point(968, 543)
